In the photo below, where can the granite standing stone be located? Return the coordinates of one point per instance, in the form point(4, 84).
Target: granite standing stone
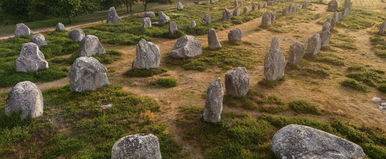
point(146, 22)
point(235, 35)
point(325, 37)
point(214, 102)
point(60, 27)
point(237, 82)
point(382, 28)
point(31, 59)
point(206, 20)
point(39, 39)
point(137, 146)
point(112, 16)
point(266, 20)
point(313, 45)
point(173, 28)
point(90, 46)
point(163, 18)
point(236, 12)
point(235, 4)
point(305, 5)
point(149, 14)
point(22, 30)
point(192, 24)
point(245, 10)
point(180, 6)
point(185, 47)
point(147, 55)
point(213, 41)
point(255, 7)
point(296, 53)
point(273, 16)
point(332, 6)
point(274, 62)
point(326, 26)
point(76, 35)
point(227, 15)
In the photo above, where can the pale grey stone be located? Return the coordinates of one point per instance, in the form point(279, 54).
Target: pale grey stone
point(214, 102)
point(90, 46)
point(27, 98)
point(274, 62)
point(227, 15)
point(192, 24)
point(213, 41)
point(382, 28)
point(235, 35)
point(180, 6)
point(76, 35)
point(237, 82)
point(347, 8)
point(236, 12)
point(332, 6)
point(60, 27)
point(313, 45)
point(39, 39)
point(212, 1)
point(112, 16)
point(31, 59)
point(303, 142)
point(325, 37)
point(146, 22)
point(173, 28)
point(22, 30)
point(245, 10)
point(147, 55)
point(273, 16)
point(235, 4)
point(267, 19)
point(326, 26)
point(206, 20)
point(185, 47)
point(305, 4)
point(163, 18)
point(296, 53)
point(149, 14)
point(255, 7)
point(137, 146)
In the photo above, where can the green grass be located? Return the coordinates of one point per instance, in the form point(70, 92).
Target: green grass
point(286, 24)
point(353, 84)
point(166, 82)
point(304, 107)
point(144, 72)
point(369, 76)
point(329, 59)
point(307, 69)
point(75, 126)
point(361, 19)
point(379, 45)
point(343, 41)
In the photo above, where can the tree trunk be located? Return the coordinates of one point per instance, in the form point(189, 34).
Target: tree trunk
point(145, 5)
point(131, 7)
point(70, 20)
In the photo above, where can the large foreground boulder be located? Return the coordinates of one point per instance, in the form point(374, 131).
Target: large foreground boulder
point(313, 45)
point(235, 35)
point(303, 142)
point(214, 102)
point(31, 59)
point(87, 74)
point(213, 41)
point(137, 146)
point(185, 47)
point(22, 30)
point(112, 16)
point(147, 55)
point(27, 98)
point(163, 18)
point(90, 46)
point(274, 62)
point(39, 39)
point(237, 82)
point(76, 35)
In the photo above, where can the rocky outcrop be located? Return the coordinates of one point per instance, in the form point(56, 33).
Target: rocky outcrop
point(112, 16)
point(60, 27)
point(214, 102)
point(90, 46)
point(237, 82)
point(22, 30)
point(185, 47)
point(137, 146)
point(296, 53)
point(76, 35)
point(213, 41)
point(39, 39)
point(274, 62)
point(313, 45)
point(147, 55)
point(31, 59)
point(235, 35)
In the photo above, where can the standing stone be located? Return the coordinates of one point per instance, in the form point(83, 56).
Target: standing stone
point(264, 4)
point(22, 30)
point(76, 35)
point(237, 82)
point(334, 19)
point(27, 98)
point(163, 18)
point(245, 10)
point(227, 15)
point(87, 74)
point(60, 27)
point(313, 45)
point(90, 46)
point(255, 7)
point(112, 16)
point(31, 59)
point(214, 101)
point(382, 28)
point(299, 141)
point(137, 146)
point(185, 47)
point(206, 20)
point(173, 28)
point(213, 41)
point(192, 24)
point(325, 37)
point(149, 14)
point(180, 6)
point(305, 4)
point(347, 8)
point(266, 20)
point(236, 12)
point(146, 22)
point(273, 16)
point(235, 35)
point(332, 6)
point(39, 39)
point(326, 26)
point(147, 55)
point(274, 62)
point(235, 4)
point(296, 53)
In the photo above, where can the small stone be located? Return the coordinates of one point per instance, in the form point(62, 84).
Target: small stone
point(149, 14)
point(274, 62)
point(213, 41)
point(147, 55)
point(173, 28)
point(180, 6)
point(237, 82)
point(266, 20)
point(192, 24)
point(87, 74)
point(146, 22)
point(60, 27)
point(39, 39)
point(206, 20)
point(382, 28)
point(112, 16)
point(296, 53)
point(227, 15)
point(31, 59)
point(185, 47)
point(22, 30)
point(347, 8)
point(313, 45)
point(332, 6)
point(27, 98)
point(76, 35)
point(325, 37)
point(285, 11)
point(90, 46)
point(214, 102)
point(163, 18)
point(236, 12)
point(137, 146)
point(212, 1)
point(235, 35)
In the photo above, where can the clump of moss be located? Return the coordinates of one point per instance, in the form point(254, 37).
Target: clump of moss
point(368, 76)
point(304, 107)
point(349, 83)
point(166, 82)
point(144, 72)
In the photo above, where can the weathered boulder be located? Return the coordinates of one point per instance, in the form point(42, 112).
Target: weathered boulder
point(245, 10)
point(299, 141)
point(76, 35)
point(326, 26)
point(87, 74)
point(147, 55)
point(173, 28)
point(236, 12)
point(90, 46)
point(163, 18)
point(206, 20)
point(192, 24)
point(296, 53)
point(31, 59)
point(274, 62)
point(237, 82)
point(227, 15)
point(27, 98)
point(313, 45)
point(146, 22)
point(214, 101)
point(382, 28)
point(235, 35)
point(266, 20)
point(137, 146)
point(325, 37)
point(213, 42)
point(22, 30)
point(149, 14)
point(180, 6)
point(60, 27)
point(332, 6)
point(112, 16)
point(305, 4)
point(39, 39)
point(185, 47)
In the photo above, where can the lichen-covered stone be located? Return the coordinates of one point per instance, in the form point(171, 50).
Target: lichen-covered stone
point(90, 46)
point(185, 47)
point(213, 41)
point(326, 26)
point(31, 59)
point(149, 14)
point(214, 102)
point(147, 55)
point(39, 39)
point(112, 16)
point(22, 30)
point(137, 146)
point(325, 37)
point(237, 82)
point(296, 53)
point(314, 45)
point(76, 35)
point(235, 35)
point(274, 62)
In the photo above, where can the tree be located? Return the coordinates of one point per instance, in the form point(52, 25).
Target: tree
point(145, 3)
point(68, 8)
point(16, 8)
point(129, 5)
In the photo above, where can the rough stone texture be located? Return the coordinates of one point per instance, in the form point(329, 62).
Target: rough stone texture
point(305, 4)
point(112, 16)
point(90, 46)
point(382, 28)
point(180, 6)
point(214, 101)
point(303, 142)
point(193, 24)
point(137, 146)
point(237, 82)
point(87, 74)
point(235, 35)
point(27, 98)
point(149, 14)
point(274, 62)
point(347, 8)
point(213, 41)
point(245, 10)
point(22, 30)
point(185, 47)
point(146, 22)
point(31, 59)
point(285, 11)
point(235, 4)
point(147, 55)
point(326, 26)
point(266, 20)
point(206, 20)
point(313, 45)
point(255, 7)
point(39, 39)
point(236, 12)
point(163, 18)
point(332, 6)
point(325, 37)
point(76, 35)
point(227, 15)
point(296, 53)
point(60, 27)
point(173, 28)
point(264, 4)
point(273, 16)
